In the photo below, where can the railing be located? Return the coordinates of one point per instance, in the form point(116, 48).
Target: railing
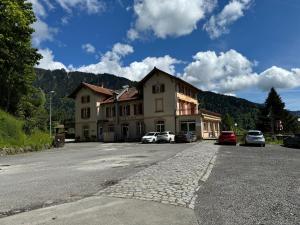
point(186, 112)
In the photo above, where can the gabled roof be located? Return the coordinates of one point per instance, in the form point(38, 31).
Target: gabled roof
point(204, 111)
point(152, 72)
point(94, 88)
point(127, 95)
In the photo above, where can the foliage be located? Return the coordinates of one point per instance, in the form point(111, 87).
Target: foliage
point(272, 112)
point(17, 57)
point(243, 112)
point(227, 122)
point(12, 134)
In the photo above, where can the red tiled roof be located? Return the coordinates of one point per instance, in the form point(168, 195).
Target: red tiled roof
point(130, 94)
point(209, 112)
point(94, 88)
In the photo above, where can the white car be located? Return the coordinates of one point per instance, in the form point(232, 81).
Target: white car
point(150, 137)
point(255, 137)
point(166, 136)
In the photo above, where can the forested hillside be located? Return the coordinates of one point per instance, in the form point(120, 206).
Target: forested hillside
point(244, 112)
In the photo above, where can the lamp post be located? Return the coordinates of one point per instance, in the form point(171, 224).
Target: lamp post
point(50, 116)
point(235, 125)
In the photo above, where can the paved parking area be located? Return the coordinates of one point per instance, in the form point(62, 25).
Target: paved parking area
point(35, 180)
point(252, 185)
point(173, 181)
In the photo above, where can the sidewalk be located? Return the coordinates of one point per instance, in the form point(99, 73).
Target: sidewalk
point(137, 200)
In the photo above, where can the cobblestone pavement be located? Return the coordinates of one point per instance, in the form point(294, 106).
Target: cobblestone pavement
point(173, 181)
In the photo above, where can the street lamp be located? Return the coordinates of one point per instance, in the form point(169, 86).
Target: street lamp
point(235, 125)
point(50, 116)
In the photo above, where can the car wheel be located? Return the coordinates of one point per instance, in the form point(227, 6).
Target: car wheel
point(263, 145)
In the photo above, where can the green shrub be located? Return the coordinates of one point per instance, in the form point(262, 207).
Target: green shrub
point(13, 136)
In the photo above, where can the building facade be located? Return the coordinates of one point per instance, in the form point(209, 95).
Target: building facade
point(160, 102)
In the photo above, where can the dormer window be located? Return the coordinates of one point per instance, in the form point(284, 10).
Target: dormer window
point(158, 88)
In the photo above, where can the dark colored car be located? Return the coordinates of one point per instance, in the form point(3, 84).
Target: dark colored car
point(185, 137)
point(227, 137)
point(292, 142)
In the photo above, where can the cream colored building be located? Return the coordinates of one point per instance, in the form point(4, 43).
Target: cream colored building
point(160, 102)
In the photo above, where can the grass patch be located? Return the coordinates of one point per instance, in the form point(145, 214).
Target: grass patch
point(14, 139)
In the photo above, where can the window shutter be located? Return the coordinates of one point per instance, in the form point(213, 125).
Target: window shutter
point(162, 88)
point(82, 114)
point(88, 98)
point(134, 109)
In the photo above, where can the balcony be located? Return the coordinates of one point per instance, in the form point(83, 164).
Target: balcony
point(190, 111)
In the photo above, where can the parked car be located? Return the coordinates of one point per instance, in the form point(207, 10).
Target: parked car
point(255, 137)
point(166, 136)
point(292, 142)
point(150, 137)
point(185, 137)
point(227, 137)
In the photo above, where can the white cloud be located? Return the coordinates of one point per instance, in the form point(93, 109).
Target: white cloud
point(230, 71)
point(279, 78)
point(91, 6)
point(225, 72)
point(218, 24)
point(42, 32)
point(47, 62)
point(169, 18)
point(88, 48)
point(111, 62)
point(132, 34)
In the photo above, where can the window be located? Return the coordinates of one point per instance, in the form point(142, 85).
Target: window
point(188, 126)
point(158, 88)
point(159, 106)
point(107, 112)
point(111, 128)
point(205, 126)
point(160, 126)
point(120, 111)
point(85, 113)
point(85, 99)
point(127, 110)
point(138, 109)
point(113, 111)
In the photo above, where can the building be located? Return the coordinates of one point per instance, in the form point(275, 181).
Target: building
point(160, 102)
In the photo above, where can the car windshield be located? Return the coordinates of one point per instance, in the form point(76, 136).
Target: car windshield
point(254, 133)
point(163, 133)
point(150, 134)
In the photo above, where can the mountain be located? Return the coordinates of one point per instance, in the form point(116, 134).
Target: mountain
point(296, 113)
point(63, 83)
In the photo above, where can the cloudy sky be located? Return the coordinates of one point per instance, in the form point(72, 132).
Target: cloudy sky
point(234, 47)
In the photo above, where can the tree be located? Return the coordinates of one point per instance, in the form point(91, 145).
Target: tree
point(227, 122)
point(17, 57)
point(274, 111)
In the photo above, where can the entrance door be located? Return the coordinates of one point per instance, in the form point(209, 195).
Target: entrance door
point(125, 131)
point(100, 133)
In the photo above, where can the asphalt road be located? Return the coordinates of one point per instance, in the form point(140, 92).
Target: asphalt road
point(252, 185)
point(34, 180)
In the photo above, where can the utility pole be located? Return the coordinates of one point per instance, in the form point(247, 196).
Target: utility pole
point(50, 114)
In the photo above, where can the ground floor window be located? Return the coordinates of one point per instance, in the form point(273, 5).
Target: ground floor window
point(111, 128)
point(188, 126)
point(160, 126)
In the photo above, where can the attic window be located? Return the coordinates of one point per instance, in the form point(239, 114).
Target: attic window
point(85, 99)
point(158, 88)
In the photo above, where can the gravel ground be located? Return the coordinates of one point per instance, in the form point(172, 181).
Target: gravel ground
point(250, 185)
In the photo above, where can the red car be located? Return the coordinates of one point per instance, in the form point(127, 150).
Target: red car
point(228, 137)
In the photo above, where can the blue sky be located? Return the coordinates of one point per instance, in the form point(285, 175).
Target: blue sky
point(235, 47)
